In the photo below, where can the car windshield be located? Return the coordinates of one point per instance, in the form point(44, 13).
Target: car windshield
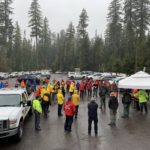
point(9, 100)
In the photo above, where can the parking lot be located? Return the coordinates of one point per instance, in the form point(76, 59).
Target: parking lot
point(129, 134)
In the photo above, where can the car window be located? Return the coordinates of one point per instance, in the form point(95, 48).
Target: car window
point(24, 97)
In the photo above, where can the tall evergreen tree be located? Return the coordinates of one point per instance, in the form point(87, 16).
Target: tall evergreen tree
point(83, 41)
point(17, 49)
point(6, 27)
point(35, 21)
point(114, 27)
point(69, 53)
point(45, 44)
point(142, 17)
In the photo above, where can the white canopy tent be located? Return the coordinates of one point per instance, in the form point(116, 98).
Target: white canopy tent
point(140, 80)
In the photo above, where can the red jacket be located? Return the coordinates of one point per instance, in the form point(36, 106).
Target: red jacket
point(81, 87)
point(69, 108)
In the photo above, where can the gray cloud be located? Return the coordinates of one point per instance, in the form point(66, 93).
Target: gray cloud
point(61, 12)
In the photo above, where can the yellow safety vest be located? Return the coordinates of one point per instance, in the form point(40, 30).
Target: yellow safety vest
point(37, 106)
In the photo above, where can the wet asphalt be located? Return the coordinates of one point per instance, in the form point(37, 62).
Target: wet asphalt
point(129, 134)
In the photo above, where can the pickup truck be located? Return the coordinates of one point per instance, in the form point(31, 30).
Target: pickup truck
point(15, 105)
point(76, 75)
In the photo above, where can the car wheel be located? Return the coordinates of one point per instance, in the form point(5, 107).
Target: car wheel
point(30, 112)
point(19, 135)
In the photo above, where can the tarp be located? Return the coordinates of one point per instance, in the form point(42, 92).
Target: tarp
point(140, 80)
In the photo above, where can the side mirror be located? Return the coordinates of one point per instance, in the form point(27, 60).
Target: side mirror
point(29, 103)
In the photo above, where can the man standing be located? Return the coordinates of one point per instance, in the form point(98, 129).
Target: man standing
point(102, 95)
point(37, 111)
point(60, 101)
point(143, 97)
point(69, 110)
point(92, 115)
point(113, 106)
point(76, 99)
point(126, 100)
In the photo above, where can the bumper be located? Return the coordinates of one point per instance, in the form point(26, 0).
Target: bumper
point(8, 133)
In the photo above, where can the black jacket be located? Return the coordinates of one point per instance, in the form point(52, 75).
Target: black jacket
point(113, 103)
point(126, 99)
point(92, 109)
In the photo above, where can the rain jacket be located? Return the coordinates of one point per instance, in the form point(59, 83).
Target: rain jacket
point(142, 96)
point(37, 105)
point(76, 98)
point(60, 97)
point(69, 108)
point(72, 87)
point(22, 84)
point(46, 97)
point(43, 91)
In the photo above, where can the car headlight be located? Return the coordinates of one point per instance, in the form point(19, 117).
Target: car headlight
point(12, 121)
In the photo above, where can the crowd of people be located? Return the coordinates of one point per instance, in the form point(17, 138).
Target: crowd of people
point(68, 94)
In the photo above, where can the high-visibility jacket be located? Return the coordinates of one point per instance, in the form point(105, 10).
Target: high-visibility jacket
point(43, 91)
point(22, 84)
point(37, 105)
point(75, 98)
point(72, 87)
point(60, 97)
point(142, 96)
point(46, 97)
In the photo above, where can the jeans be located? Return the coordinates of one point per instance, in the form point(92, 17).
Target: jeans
point(143, 105)
point(113, 116)
point(37, 119)
point(126, 110)
point(90, 120)
point(102, 102)
point(60, 109)
point(68, 123)
point(76, 113)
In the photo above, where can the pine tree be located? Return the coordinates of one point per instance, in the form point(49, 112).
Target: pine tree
point(45, 44)
point(114, 27)
point(142, 17)
point(69, 54)
point(83, 41)
point(17, 49)
point(35, 21)
point(6, 27)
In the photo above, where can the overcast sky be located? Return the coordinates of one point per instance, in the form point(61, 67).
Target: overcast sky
point(61, 12)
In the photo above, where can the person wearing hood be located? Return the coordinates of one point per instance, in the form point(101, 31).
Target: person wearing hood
point(126, 101)
point(143, 98)
point(72, 88)
point(92, 115)
point(113, 106)
point(60, 101)
point(69, 110)
point(76, 100)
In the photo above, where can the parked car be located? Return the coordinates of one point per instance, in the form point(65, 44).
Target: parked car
point(95, 76)
point(31, 78)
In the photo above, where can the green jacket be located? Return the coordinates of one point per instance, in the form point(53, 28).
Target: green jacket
point(142, 96)
point(37, 105)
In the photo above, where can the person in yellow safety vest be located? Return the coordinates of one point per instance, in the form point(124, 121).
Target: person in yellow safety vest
point(60, 101)
point(43, 91)
point(37, 111)
point(49, 92)
point(72, 88)
point(143, 97)
point(45, 103)
point(76, 100)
